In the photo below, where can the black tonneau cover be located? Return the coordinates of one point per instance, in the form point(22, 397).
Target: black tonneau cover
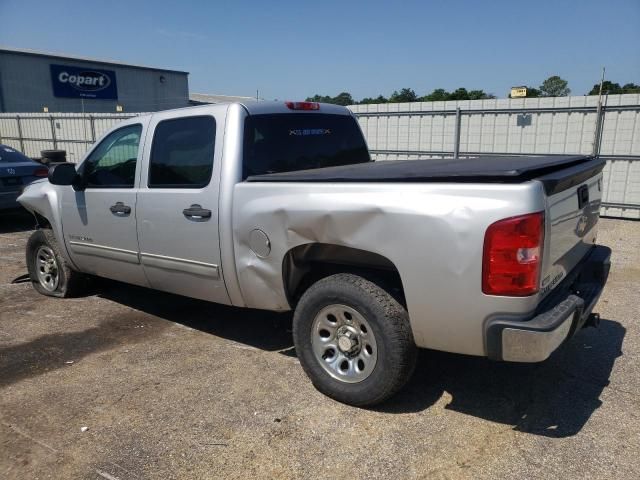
point(500, 169)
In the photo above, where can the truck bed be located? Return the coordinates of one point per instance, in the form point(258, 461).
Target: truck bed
point(493, 169)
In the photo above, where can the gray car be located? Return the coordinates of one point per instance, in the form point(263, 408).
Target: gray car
point(16, 171)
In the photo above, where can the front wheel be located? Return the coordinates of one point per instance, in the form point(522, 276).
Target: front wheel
point(49, 272)
point(353, 340)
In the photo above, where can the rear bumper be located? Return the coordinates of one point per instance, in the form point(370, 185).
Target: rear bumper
point(567, 309)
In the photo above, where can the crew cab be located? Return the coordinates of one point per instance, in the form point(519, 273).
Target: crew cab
point(278, 206)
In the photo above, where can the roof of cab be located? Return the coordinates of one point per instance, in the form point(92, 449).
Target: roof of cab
point(257, 108)
point(266, 107)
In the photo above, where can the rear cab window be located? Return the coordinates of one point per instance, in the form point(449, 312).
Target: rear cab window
point(275, 143)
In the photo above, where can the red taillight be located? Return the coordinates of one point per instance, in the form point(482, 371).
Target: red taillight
point(512, 256)
point(41, 172)
point(303, 105)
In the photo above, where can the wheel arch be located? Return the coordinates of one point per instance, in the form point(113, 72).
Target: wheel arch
point(42, 200)
point(306, 264)
point(41, 220)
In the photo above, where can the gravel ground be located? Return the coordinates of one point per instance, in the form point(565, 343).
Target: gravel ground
point(175, 388)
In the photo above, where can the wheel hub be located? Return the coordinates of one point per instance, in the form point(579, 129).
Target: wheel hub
point(47, 268)
point(344, 343)
point(348, 341)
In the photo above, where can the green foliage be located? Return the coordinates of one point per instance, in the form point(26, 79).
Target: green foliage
point(378, 99)
point(479, 95)
point(404, 95)
point(630, 88)
point(320, 98)
point(554, 86)
point(440, 95)
point(459, 94)
point(533, 92)
point(612, 88)
point(343, 99)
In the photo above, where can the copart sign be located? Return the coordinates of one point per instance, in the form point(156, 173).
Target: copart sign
point(77, 82)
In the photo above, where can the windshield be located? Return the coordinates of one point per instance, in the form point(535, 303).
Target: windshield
point(8, 154)
point(278, 143)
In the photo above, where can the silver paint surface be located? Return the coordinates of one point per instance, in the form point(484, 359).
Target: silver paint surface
point(182, 255)
point(433, 233)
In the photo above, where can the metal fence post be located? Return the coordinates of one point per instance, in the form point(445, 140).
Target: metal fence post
point(597, 139)
point(53, 132)
point(93, 128)
point(20, 137)
point(456, 135)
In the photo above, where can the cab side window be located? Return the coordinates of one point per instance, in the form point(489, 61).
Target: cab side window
point(113, 163)
point(182, 153)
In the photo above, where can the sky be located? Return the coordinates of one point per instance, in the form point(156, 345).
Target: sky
point(295, 49)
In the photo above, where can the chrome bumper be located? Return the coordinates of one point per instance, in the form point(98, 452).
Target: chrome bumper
point(569, 307)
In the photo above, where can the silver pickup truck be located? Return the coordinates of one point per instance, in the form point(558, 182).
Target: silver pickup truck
point(278, 206)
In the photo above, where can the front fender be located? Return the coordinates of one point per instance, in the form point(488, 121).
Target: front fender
point(43, 199)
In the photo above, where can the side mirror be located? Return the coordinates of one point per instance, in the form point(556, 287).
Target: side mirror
point(64, 174)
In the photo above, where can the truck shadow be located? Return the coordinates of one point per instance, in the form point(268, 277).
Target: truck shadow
point(52, 351)
point(555, 398)
point(261, 329)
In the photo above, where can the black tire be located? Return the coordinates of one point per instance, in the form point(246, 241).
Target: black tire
point(69, 283)
point(389, 321)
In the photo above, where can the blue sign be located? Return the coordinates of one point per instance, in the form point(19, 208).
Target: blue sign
point(79, 82)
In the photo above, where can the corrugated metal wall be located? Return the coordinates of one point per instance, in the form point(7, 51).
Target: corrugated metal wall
point(564, 125)
point(26, 86)
point(531, 126)
point(33, 132)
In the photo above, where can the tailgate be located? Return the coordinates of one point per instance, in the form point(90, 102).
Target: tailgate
point(573, 210)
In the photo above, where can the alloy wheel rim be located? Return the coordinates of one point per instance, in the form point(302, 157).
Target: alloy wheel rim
point(47, 268)
point(343, 343)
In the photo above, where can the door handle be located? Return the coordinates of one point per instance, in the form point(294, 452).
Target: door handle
point(120, 209)
point(196, 212)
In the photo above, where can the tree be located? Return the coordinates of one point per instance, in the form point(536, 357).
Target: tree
point(438, 95)
point(378, 99)
point(607, 87)
point(555, 86)
point(630, 88)
point(612, 88)
point(343, 98)
point(480, 95)
point(459, 94)
point(319, 98)
point(405, 95)
point(533, 92)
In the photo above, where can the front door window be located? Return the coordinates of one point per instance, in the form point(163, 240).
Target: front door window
point(113, 163)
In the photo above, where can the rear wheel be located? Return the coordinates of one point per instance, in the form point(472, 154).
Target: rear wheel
point(49, 272)
point(353, 340)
